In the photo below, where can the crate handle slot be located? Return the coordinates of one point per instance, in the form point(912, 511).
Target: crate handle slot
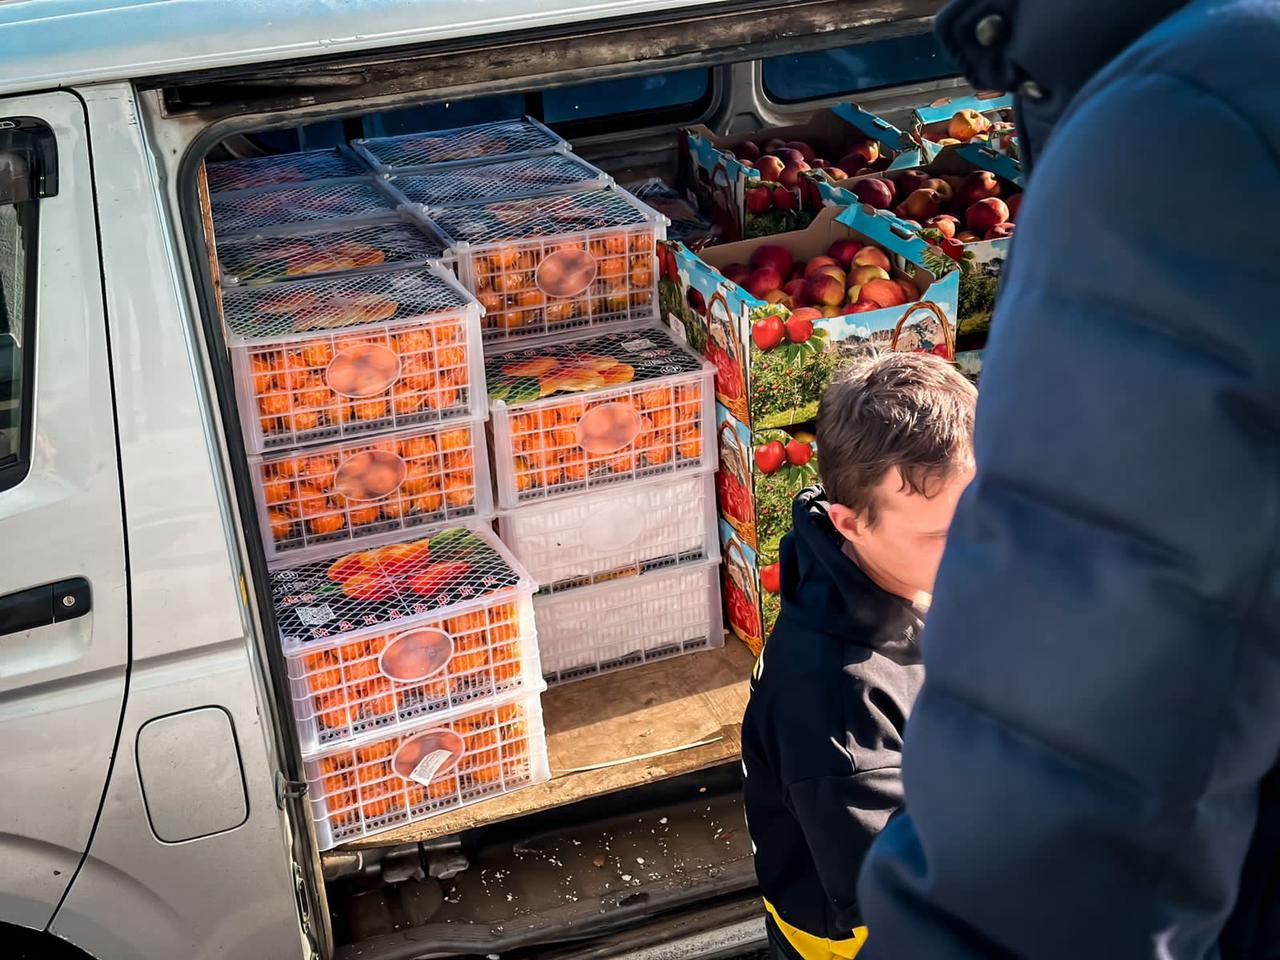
point(609, 428)
point(362, 370)
point(416, 655)
point(370, 475)
point(428, 756)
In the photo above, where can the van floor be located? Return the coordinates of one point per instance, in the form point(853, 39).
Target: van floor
point(616, 731)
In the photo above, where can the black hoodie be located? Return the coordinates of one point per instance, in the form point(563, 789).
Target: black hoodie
point(822, 735)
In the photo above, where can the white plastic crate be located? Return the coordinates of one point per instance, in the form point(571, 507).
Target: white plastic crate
point(253, 172)
point(244, 211)
point(460, 145)
point(468, 654)
point(448, 762)
point(353, 354)
point(485, 182)
point(292, 251)
point(656, 524)
point(549, 264)
point(324, 498)
point(578, 414)
point(612, 626)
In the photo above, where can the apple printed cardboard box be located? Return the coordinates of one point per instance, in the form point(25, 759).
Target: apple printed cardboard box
point(964, 203)
point(951, 121)
point(750, 187)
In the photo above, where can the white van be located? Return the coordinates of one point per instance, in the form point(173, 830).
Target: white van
point(154, 805)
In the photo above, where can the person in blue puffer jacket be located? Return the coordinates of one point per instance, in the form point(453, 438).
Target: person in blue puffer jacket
point(1091, 766)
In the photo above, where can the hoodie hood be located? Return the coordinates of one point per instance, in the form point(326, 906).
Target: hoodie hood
point(824, 591)
point(1045, 51)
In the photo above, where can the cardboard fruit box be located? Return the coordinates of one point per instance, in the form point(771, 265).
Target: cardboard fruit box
point(773, 359)
point(944, 123)
point(719, 174)
point(976, 260)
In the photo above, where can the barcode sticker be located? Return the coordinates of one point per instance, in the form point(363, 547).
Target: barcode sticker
point(315, 616)
point(639, 345)
point(429, 766)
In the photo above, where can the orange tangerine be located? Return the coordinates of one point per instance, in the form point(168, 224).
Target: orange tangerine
point(274, 404)
point(317, 353)
point(458, 491)
point(281, 524)
point(362, 515)
point(328, 523)
point(277, 491)
point(371, 409)
point(689, 443)
point(455, 439)
point(428, 503)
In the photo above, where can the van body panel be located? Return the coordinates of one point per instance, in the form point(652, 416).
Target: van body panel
point(62, 685)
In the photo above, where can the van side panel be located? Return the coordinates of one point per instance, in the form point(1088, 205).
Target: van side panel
point(229, 894)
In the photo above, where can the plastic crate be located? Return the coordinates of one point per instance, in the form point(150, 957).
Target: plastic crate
point(546, 264)
point(460, 145)
point(486, 182)
point(272, 171)
point(471, 653)
point(656, 524)
point(578, 414)
point(288, 252)
point(243, 211)
point(448, 762)
point(353, 354)
point(612, 626)
point(320, 499)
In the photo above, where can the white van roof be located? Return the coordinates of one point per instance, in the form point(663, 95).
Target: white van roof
point(62, 43)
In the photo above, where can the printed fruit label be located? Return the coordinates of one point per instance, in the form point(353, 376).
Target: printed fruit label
point(566, 273)
point(611, 527)
point(370, 475)
point(608, 428)
point(415, 757)
point(363, 370)
point(416, 655)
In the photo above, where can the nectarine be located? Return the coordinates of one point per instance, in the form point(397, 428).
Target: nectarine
point(872, 256)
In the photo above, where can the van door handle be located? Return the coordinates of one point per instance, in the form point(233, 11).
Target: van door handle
point(45, 605)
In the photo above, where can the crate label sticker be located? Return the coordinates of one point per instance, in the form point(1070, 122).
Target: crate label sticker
point(429, 766)
point(609, 428)
point(641, 344)
point(417, 655)
point(566, 273)
point(316, 616)
point(363, 370)
point(370, 475)
point(613, 526)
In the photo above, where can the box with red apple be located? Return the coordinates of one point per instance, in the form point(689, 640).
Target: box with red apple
point(777, 315)
point(759, 475)
point(964, 204)
point(750, 186)
point(985, 118)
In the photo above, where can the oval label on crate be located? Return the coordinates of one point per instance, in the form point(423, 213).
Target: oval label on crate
point(608, 428)
point(613, 526)
point(566, 273)
point(416, 655)
point(370, 475)
point(363, 370)
point(428, 755)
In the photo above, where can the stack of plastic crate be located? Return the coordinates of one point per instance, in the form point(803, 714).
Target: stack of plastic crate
point(406, 626)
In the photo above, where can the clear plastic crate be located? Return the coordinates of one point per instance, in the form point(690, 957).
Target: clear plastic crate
point(243, 211)
point(253, 172)
point(448, 762)
point(349, 596)
point(353, 354)
point(486, 182)
point(503, 138)
point(547, 264)
point(284, 253)
point(656, 524)
point(611, 626)
point(469, 654)
point(578, 414)
point(319, 499)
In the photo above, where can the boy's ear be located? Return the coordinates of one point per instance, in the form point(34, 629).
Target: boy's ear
point(850, 524)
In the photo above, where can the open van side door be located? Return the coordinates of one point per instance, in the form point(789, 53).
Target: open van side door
point(64, 600)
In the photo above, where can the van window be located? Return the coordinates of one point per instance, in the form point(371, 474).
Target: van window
point(17, 322)
point(846, 70)
point(680, 96)
point(446, 116)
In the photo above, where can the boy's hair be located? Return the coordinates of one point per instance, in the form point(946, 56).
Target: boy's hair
point(907, 411)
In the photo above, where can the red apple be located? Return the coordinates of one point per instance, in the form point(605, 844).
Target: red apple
point(746, 151)
point(770, 168)
point(772, 145)
point(883, 293)
point(816, 263)
point(860, 154)
point(921, 204)
point(763, 281)
point(805, 150)
point(798, 452)
point(953, 247)
point(772, 255)
point(759, 199)
point(978, 185)
point(843, 251)
point(943, 188)
point(985, 214)
point(866, 272)
point(784, 198)
point(737, 273)
point(910, 180)
point(909, 291)
point(775, 297)
point(790, 176)
point(771, 578)
point(770, 456)
point(967, 124)
point(999, 231)
point(1014, 204)
point(767, 332)
point(836, 174)
point(870, 256)
point(862, 306)
point(819, 164)
point(794, 289)
point(824, 290)
point(875, 192)
point(944, 223)
point(799, 329)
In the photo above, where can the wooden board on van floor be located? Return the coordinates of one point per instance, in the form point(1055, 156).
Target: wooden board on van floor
point(617, 731)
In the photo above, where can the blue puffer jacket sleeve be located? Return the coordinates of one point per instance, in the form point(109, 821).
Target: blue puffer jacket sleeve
point(1103, 654)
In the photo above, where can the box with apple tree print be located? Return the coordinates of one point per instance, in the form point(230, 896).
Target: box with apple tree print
point(964, 203)
point(759, 475)
point(751, 187)
point(776, 315)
